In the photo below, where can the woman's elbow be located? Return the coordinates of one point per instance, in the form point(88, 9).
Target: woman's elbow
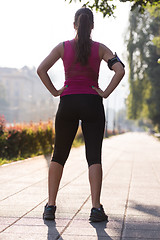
point(122, 72)
point(40, 71)
point(119, 70)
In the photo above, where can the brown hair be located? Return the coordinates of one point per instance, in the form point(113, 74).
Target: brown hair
point(84, 24)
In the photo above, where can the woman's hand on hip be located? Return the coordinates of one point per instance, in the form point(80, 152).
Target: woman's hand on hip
point(99, 91)
point(60, 91)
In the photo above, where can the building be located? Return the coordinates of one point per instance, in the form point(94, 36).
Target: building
point(23, 96)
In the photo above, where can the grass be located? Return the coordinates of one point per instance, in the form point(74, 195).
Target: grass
point(5, 161)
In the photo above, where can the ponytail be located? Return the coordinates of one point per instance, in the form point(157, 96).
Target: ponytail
point(84, 23)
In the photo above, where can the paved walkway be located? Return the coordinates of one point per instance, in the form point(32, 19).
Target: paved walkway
point(130, 195)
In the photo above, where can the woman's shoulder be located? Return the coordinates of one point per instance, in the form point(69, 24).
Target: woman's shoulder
point(101, 46)
point(105, 51)
point(70, 41)
point(64, 43)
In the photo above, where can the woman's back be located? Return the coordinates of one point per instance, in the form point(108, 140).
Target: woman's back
point(80, 78)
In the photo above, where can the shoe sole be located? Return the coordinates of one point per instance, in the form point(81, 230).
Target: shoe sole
point(96, 219)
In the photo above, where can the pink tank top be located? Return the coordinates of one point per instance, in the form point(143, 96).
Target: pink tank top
point(80, 79)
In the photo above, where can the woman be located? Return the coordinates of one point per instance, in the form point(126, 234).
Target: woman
point(80, 99)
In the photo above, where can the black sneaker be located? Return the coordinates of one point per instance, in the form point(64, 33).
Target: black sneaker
point(98, 215)
point(49, 212)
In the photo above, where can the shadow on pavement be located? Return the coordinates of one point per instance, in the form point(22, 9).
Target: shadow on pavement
point(53, 233)
point(149, 209)
point(100, 230)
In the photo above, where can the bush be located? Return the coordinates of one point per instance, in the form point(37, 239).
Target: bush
point(20, 141)
point(13, 144)
point(2, 124)
point(3, 136)
point(25, 140)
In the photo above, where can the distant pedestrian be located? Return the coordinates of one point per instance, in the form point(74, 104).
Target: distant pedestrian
point(80, 99)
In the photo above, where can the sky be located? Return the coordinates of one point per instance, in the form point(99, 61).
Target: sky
point(30, 29)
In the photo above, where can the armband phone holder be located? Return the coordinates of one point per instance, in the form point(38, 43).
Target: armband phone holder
point(114, 60)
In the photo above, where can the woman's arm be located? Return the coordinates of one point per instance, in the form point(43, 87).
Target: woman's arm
point(106, 54)
point(46, 64)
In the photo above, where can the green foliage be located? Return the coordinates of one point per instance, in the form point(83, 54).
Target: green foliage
point(106, 7)
point(26, 140)
point(144, 98)
point(23, 140)
point(156, 41)
point(3, 135)
point(142, 4)
point(154, 10)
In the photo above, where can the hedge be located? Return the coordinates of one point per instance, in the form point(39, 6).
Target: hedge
point(25, 140)
point(20, 141)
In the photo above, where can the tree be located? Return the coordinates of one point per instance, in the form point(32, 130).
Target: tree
point(155, 12)
point(144, 97)
point(106, 7)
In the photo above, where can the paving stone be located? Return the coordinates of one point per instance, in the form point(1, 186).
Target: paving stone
point(128, 165)
point(143, 218)
point(81, 223)
point(28, 236)
point(69, 237)
point(133, 238)
point(153, 226)
point(34, 221)
point(146, 234)
point(91, 231)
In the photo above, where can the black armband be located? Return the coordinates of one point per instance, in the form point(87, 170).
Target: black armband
point(114, 60)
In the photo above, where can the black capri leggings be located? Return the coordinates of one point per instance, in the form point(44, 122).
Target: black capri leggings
point(89, 109)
